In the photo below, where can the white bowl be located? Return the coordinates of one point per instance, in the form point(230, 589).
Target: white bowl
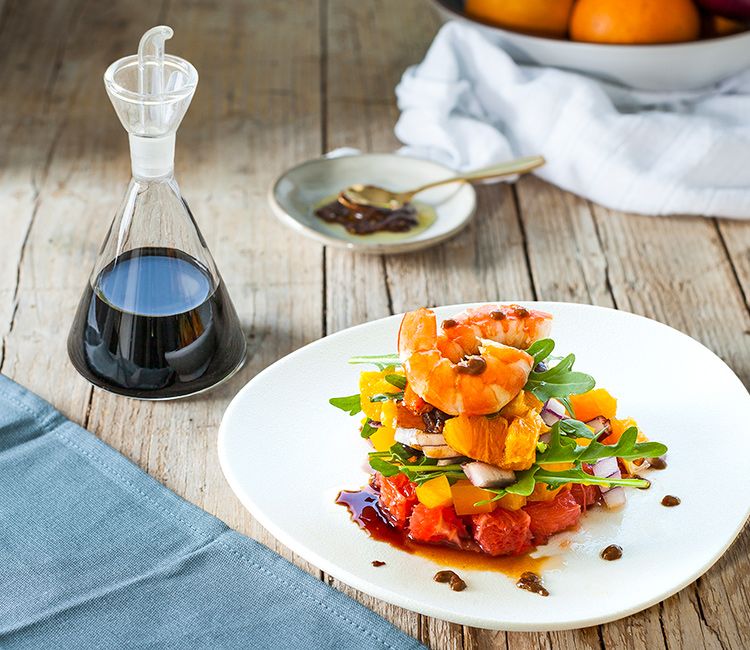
point(298, 191)
point(678, 66)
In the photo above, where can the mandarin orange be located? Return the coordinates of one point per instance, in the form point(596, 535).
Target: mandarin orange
point(539, 17)
point(635, 21)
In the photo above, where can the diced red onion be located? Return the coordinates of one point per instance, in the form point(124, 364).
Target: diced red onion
point(553, 411)
point(545, 437)
point(601, 426)
point(607, 468)
point(484, 475)
point(614, 497)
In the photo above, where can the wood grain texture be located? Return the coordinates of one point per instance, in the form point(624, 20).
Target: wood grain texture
point(282, 82)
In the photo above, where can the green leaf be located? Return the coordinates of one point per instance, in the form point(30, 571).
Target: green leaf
point(562, 447)
point(367, 430)
point(626, 448)
point(399, 381)
point(399, 452)
point(575, 429)
point(565, 401)
point(541, 349)
point(577, 475)
point(383, 466)
point(382, 361)
point(384, 397)
point(559, 381)
point(524, 486)
point(351, 404)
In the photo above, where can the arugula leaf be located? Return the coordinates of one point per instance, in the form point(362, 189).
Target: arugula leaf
point(399, 381)
point(541, 349)
point(565, 401)
point(350, 404)
point(383, 466)
point(399, 452)
point(575, 429)
point(384, 397)
point(524, 486)
point(382, 361)
point(367, 429)
point(626, 448)
point(559, 381)
point(562, 447)
point(577, 475)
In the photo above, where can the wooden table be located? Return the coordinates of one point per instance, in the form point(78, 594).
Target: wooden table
point(281, 82)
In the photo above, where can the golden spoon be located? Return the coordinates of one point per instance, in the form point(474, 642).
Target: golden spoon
point(378, 197)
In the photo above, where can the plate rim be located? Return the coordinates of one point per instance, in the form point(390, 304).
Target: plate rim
point(391, 596)
point(377, 248)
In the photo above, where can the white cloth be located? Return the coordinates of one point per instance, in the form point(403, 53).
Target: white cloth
point(469, 105)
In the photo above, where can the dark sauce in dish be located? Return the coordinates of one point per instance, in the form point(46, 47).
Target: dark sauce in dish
point(366, 220)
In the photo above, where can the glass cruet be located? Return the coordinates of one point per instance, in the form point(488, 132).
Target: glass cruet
point(155, 320)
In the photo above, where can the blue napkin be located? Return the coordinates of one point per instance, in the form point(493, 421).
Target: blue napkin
point(96, 554)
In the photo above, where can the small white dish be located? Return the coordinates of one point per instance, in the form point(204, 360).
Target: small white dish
point(299, 191)
point(286, 453)
point(668, 67)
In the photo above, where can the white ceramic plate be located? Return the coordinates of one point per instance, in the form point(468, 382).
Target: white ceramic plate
point(286, 453)
point(300, 190)
point(675, 66)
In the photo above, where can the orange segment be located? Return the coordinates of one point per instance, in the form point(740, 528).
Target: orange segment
point(594, 403)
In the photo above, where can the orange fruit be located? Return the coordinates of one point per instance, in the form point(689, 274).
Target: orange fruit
point(540, 17)
point(635, 21)
point(596, 402)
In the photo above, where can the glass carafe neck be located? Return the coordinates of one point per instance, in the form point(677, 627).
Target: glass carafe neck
point(152, 157)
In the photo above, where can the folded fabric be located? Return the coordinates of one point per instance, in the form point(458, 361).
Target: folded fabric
point(469, 105)
point(96, 554)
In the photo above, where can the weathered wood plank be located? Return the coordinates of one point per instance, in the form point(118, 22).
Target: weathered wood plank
point(49, 142)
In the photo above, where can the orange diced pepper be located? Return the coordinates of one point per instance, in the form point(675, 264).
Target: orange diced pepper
point(384, 438)
point(435, 493)
point(465, 495)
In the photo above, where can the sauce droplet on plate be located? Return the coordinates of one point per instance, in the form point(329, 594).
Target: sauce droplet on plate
point(612, 552)
point(670, 501)
point(452, 578)
point(530, 581)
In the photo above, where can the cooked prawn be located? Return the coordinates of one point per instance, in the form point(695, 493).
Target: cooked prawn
point(511, 325)
point(480, 384)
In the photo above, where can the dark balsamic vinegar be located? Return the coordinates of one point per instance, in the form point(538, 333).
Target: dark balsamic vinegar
point(155, 325)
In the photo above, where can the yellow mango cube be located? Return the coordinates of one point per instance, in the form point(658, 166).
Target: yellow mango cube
point(465, 495)
point(384, 438)
point(512, 502)
point(435, 493)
